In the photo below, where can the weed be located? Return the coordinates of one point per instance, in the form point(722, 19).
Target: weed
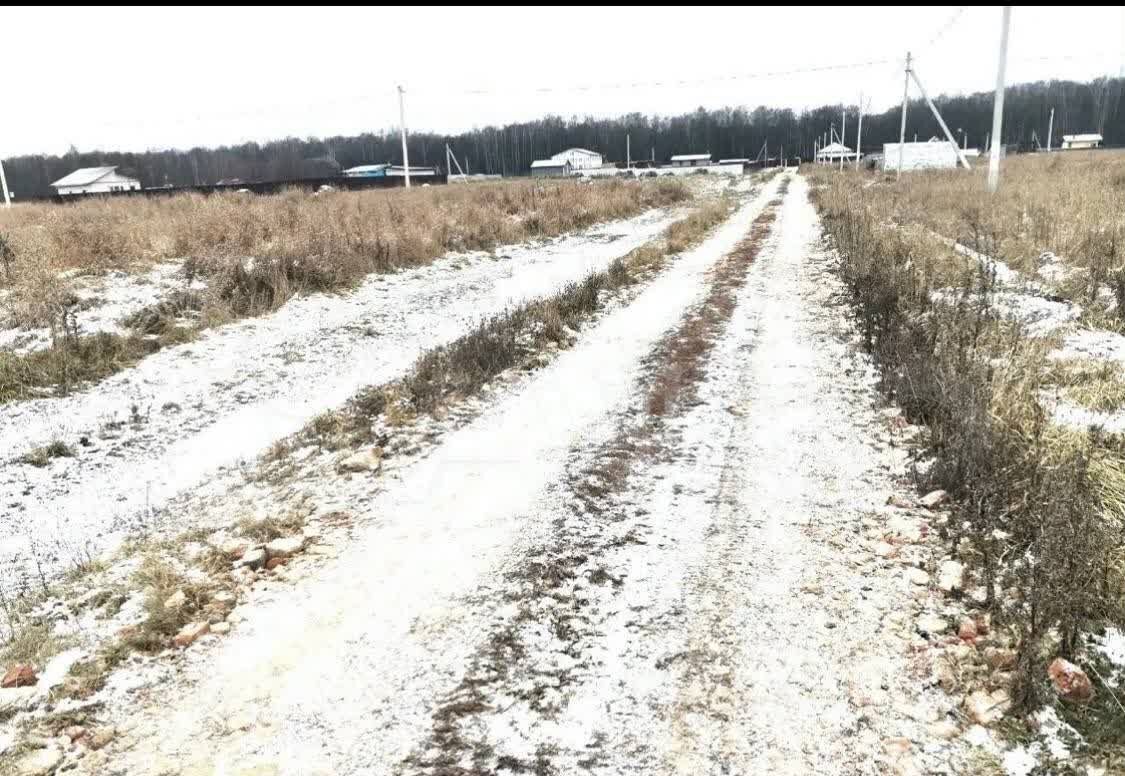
point(267, 529)
point(41, 456)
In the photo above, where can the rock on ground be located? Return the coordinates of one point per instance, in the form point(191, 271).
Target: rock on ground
point(20, 675)
point(1071, 682)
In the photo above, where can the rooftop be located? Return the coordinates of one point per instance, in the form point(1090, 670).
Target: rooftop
point(84, 176)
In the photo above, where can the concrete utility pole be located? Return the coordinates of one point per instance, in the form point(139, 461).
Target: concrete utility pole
point(1050, 128)
point(941, 122)
point(859, 134)
point(902, 126)
point(628, 154)
point(402, 122)
point(843, 134)
point(4, 185)
point(998, 104)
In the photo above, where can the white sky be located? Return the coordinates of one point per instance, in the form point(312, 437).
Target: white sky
point(135, 78)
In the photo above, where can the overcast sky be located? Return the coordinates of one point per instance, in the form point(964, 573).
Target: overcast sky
point(135, 78)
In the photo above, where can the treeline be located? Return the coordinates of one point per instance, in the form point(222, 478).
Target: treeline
point(1095, 106)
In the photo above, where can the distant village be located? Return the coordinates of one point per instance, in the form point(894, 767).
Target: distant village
point(934, 153)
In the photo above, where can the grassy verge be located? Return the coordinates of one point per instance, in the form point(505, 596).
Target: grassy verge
point(1038, 508)
point(514, 339)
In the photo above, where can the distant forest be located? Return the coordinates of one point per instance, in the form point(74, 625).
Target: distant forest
point(1095, 106)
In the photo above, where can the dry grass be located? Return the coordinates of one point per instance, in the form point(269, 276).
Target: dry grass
point(1024, 488)
point(1096, 385)
point(321, 240)
point(256, 253)
point(1072, 204)
point(33, 643)
point(70, 362)
point(41, 456)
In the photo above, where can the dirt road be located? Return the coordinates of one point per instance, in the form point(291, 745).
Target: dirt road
point(648, 558)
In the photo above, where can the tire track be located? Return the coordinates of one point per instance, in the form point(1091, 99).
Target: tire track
point(504, 712)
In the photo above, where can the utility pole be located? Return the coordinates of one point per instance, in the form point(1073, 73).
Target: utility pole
point(843, 134)
point(1050, 128)
point(902, 126)
point(402, 122)
point(4, 185)
point(628, 154)
point(941, 122)
point(859, 134)
point(998, 104)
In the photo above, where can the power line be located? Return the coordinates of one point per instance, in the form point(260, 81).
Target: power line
point(675, 83)
point(945, 27)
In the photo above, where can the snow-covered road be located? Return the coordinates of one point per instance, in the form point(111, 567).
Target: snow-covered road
point(498, 612)
point(166, 425)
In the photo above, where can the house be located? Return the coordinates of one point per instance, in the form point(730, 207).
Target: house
point(95, 180)
point(551, 168)
point(690, 160)
point(834, 152)
point(1078, 142)
point(579, 158)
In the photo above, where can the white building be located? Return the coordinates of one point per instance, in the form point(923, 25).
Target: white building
point(920, 156)
point(579, 158)
point(690, 160)
point(551, 168)
point(833, 152)
point(1078, 142)
point(95, 180)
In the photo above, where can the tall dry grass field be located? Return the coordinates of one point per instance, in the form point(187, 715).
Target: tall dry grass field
point(341, 234)
point(255, 253)
point(1070, 203)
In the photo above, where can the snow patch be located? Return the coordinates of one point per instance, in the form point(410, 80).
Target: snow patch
point(181, 416)
point(106, 299)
